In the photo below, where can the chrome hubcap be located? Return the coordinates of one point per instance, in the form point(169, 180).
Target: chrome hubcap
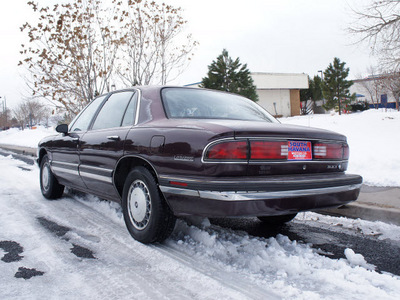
point(139, 204)
point(46, 176)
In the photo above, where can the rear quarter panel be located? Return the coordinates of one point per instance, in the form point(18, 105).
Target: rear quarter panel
point(176, 151)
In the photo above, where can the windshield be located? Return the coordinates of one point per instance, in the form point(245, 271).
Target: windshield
point(190, 103)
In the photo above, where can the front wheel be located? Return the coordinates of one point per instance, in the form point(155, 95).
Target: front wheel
point(49, 185)
point(277, 220)
point(147, 216)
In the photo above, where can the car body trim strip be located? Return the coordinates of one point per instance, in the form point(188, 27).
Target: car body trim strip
point(107, 179)
point(66, 165)
point(83, 168)
point(253, 195)
point(83, 171)
point(64, 170)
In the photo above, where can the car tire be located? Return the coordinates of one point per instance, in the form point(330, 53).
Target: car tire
point(277, 220)
point(49, 185)
point(146, 213)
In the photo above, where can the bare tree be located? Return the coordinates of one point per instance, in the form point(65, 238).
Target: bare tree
point(391, 81)
point(152, 49)
point(75, 48)
point(31, 112)
point(4, 118)
point(372, 85)
point(21, 116)
point(378, 23)
point(71, 51)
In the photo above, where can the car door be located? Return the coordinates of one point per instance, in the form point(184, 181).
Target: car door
point(102, 146)
point(65, 152)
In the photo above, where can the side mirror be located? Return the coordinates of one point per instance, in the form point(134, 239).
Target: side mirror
point(62, 128)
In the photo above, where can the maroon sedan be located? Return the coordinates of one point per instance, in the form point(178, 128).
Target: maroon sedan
point(164, 152)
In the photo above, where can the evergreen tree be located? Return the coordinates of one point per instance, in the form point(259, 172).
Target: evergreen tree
point(306, 94)
point(335, 87)
point(314, 91)
point(310, 95)
point(230, 75)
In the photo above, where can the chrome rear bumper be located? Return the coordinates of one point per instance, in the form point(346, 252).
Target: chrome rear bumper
point(249, 196)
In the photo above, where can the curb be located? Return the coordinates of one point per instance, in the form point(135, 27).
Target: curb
point(20, 149)
point(364, 211)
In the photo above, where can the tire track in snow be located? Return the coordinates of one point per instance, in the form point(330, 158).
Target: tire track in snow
point(228, 279)
point(232, 280)
point(130, 251)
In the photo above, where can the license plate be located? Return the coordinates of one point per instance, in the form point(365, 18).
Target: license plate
point(299, 150)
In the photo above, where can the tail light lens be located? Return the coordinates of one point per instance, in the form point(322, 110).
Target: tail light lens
point(239, 150)
point(331, 151)
point(236, 150)
point(268, 150)
point(346, 151)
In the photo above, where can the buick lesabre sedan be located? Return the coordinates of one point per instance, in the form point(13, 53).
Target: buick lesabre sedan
point(166, 152)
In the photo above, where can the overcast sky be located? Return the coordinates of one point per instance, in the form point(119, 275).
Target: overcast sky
point(281, 36)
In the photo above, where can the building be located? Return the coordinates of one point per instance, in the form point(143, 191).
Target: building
point(278, 93)
point(377, 90)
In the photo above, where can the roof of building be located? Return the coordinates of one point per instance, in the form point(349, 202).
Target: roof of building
point(280, 80)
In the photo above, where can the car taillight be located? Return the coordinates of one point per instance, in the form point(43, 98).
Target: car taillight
point(331, 151)
point(346, 151)
point(232, 150)
point(268, 150)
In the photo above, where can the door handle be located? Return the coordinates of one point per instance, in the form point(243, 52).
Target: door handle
point(113, 137)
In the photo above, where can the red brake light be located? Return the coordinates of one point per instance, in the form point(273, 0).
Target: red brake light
point(330, 151)
point(268, 150)
point(228, 150)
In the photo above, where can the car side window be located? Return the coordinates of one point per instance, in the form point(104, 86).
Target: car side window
point(83, 120)
point(130, 114)
point(113, 110)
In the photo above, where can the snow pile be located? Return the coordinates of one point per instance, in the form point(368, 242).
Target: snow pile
point(356, 259)
point(294, 271)
point(25, 138)
point(377, 229)
point(373, 137)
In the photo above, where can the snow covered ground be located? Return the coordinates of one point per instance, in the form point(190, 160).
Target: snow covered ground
point(26, 138)
point(374, 140)
point(373, 136)
point(197, 262)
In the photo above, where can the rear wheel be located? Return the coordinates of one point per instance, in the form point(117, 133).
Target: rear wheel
point(49, 185)
point(277, 220)
point(146, 214)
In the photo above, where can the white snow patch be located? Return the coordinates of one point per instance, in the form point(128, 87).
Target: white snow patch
point(294, 271)
point(356, 259)
point(373, 139)
point(27, 137)
point(377, 229)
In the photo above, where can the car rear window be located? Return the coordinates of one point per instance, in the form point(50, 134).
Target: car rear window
point(191, 103)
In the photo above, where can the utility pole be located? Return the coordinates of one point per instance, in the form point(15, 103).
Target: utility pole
point(322, 82)
point(4, 111)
